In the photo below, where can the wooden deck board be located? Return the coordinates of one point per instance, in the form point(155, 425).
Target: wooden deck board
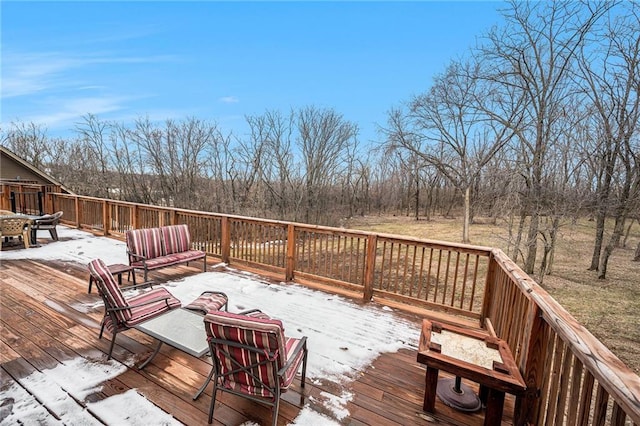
point(44, 321)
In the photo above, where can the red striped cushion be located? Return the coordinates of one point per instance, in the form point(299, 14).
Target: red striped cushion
point(290, 374)
point(108, 287)
point(145, 242)
point(208, 301)
point(176, 238)
point(265, 334)
point(141, 314)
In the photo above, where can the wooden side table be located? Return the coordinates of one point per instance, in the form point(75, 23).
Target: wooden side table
point(471, 355)
point(117, 269)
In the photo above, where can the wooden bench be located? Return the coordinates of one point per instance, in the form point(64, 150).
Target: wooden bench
point(154, 248)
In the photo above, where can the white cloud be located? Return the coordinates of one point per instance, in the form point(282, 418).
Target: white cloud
point(229, 99)
point(30, 73)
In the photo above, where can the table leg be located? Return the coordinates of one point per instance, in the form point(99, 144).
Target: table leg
point(153, 355)
point(495, 406)
point(430, 385)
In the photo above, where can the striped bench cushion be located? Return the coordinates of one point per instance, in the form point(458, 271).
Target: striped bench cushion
point(145, 242)
point(176, 239)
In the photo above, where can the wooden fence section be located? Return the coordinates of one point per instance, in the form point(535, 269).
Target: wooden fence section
point(25, 197)
point(572, 378)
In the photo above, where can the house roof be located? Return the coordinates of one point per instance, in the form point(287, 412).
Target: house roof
point(42, 175)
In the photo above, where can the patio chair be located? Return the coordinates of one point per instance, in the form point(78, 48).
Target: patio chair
point(123, 313)
point(47, 222)
point(15, 227)
point(252, 358)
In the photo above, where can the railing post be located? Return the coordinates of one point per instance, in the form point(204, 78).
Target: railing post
point(50, 204)
point(489, 287)
point(173, 217)
point(40, 203)
point(225, 240)
point(370, 267)
point(526, 410)
point(78, 213)
point(12, 201)
point(134, 217)
point(291, 251)
point(105, 217)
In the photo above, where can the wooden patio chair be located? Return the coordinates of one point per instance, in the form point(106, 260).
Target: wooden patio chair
point(18, 226)
point(252, 358)
point(47, 222)
point(123, 313)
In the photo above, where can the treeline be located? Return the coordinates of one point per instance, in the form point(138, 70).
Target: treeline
point(536, 126)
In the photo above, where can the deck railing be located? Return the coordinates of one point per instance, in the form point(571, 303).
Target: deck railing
point(572, 378)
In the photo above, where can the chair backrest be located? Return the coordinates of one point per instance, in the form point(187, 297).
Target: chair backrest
point(145, 242)
point(176, 238)
point(109, 290)
point(13, 226)
point(56, 217)
point(248, 351)
point(49, 219)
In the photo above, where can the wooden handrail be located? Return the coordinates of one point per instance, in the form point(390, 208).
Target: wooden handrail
point(569, 373)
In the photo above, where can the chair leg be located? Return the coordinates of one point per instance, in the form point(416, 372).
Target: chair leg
point(113, 342)
point(54, 234)
point(276, 407)
point(304, 366)
point(204, 385)
point(213, 400)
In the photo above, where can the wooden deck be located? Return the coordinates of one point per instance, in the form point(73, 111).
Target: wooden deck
point(44, 320)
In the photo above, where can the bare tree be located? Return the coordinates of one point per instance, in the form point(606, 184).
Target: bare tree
point(323, 137)
point(175, 155)
point(613, 90)
point(534, 54)
point(450, 128)
point(272, 136)
point(29, 141)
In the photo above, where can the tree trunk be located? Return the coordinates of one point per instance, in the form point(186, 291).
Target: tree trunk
point(532, 243)
point(516, 246)
point(417, 198)
point(636, 256)
point(554, 240)
point(626, 234)
point(597, 246)
point(467, 214)
point(614, 241)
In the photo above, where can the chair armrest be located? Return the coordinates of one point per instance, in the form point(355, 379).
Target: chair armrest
point(302, 345)
point(249, 311)
point(137, 256)
point(137, 305)
point(145, 284)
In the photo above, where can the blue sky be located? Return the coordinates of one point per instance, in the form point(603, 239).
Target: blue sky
point(221, 61)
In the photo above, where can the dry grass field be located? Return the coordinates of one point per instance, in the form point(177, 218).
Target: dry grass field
point(607, 308)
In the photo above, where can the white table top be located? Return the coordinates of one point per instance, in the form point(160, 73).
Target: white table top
point(180, 328)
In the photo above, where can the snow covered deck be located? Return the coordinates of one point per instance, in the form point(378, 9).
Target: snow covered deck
point(362, 358)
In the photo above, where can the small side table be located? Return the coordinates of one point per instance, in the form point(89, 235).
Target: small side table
point(117, 269)
point(472, 355)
